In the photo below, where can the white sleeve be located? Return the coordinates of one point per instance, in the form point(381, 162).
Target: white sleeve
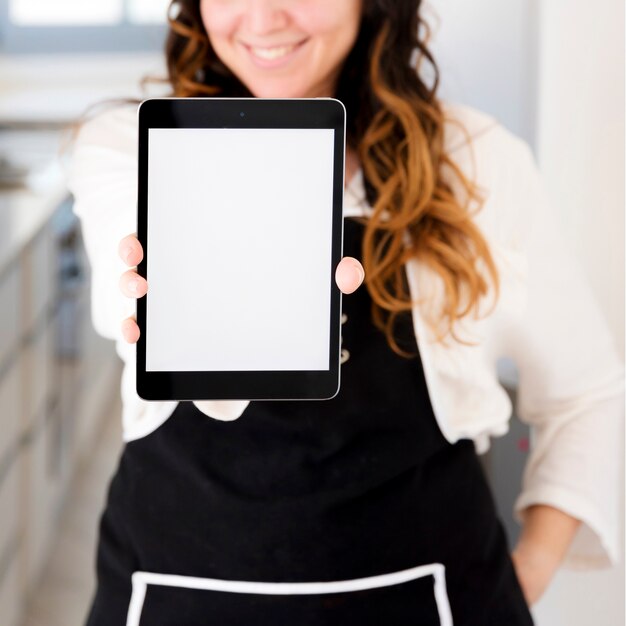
point(571, 384)
point(102, 177)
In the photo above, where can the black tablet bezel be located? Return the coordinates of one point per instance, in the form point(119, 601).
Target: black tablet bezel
point(242, 113)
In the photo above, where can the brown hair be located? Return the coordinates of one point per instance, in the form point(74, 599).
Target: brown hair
point(396, 125)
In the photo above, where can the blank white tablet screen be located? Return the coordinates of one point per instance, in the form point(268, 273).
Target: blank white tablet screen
point(239, 249)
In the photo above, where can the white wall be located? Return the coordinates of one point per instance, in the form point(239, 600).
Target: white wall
point(485, 50)
point(580, 146)
point(580, 136)
point(553, 73)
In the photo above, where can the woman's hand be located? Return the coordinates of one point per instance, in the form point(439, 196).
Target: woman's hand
point(535, 569)
point(349, 275)
point(131, 284)
point(546, 535)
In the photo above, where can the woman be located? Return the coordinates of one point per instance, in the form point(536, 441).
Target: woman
point(378, 492)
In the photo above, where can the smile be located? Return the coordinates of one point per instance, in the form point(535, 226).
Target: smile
point(274, 54)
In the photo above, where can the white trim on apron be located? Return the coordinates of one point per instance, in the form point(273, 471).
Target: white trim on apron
point(141, 580)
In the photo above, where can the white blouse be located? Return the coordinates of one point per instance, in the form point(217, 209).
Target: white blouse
point(546, 320)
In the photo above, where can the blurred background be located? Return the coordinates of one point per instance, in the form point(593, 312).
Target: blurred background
point(552, 72)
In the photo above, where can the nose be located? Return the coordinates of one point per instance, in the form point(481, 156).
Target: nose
point(265, 16)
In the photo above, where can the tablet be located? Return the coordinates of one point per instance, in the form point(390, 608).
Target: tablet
point(241, 221)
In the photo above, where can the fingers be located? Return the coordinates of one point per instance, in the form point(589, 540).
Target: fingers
point(349, 274)
point(132, 285)
point(130, 250)
point(130, 330)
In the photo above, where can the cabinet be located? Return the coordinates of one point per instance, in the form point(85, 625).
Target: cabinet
point(50, 410)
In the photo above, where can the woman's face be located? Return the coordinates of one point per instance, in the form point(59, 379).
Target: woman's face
point(283, 48)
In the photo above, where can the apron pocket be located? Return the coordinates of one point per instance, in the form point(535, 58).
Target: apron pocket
point(414, 596)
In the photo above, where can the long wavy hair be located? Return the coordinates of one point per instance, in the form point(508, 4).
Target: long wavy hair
point(395, 124)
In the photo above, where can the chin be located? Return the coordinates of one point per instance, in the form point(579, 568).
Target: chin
point(277, 91)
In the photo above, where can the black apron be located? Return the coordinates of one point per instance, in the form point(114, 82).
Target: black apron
point(354, 510)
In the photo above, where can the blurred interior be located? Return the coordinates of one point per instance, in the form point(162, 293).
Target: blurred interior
point(553, 73)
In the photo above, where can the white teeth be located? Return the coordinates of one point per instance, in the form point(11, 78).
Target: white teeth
point(272, 53)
